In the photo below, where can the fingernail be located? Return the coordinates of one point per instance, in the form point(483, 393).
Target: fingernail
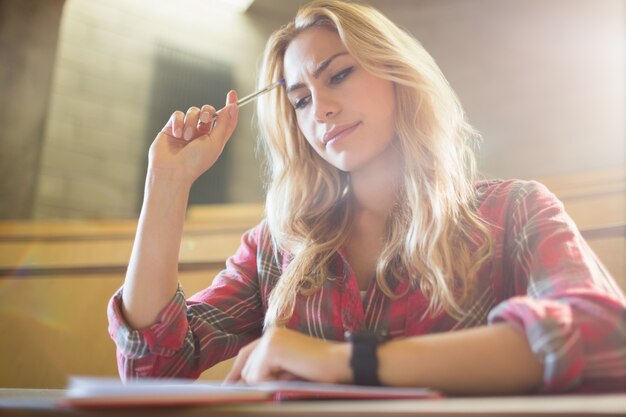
point(188, 133)
point(229, 96)
point(205, 117)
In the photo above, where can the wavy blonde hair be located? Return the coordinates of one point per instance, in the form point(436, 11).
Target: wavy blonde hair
point(433, 235)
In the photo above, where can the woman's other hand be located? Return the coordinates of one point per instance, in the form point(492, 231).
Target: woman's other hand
point(190, 143)
point(283, 354)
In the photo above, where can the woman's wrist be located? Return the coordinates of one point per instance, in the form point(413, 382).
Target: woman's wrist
point(166, 194)
point(166, 177)
point(341, 352)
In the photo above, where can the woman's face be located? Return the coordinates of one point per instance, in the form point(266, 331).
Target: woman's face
point(345, 113)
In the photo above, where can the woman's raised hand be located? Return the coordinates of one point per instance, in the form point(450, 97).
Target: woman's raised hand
point(189, 144)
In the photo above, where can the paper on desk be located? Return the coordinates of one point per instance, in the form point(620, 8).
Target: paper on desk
point(111, 392)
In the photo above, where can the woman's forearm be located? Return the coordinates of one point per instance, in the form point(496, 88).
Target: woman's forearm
point(485, 360)
point(152, 276)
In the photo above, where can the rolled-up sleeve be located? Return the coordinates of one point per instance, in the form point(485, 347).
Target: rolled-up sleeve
point(569, 307)
point(191, 335)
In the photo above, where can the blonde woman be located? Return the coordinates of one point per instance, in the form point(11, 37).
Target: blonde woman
point(382, 260)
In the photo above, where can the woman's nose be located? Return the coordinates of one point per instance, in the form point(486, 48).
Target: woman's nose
point(326, 106)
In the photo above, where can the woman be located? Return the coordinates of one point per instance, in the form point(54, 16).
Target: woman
point(376, 231)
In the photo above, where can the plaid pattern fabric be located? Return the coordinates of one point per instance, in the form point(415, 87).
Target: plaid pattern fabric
point(543, 279)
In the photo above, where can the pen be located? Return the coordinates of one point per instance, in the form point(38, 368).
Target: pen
point(247, 99)
point(250, 97)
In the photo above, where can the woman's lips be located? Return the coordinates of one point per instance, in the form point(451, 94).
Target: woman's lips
point(339, 132)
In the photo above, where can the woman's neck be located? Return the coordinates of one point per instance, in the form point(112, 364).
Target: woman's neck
point(374, 186)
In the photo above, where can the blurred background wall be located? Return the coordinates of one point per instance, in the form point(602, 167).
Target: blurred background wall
point(28, 42)
point(543, 80)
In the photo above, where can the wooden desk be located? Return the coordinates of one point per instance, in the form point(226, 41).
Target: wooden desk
point(28, 402)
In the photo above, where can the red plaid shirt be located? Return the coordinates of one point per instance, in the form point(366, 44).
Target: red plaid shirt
point(543, 279)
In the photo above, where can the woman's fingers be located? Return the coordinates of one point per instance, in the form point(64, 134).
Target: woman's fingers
point(174, 125)
point(206, 119)
point(258, 366)
point(231, 98)
point(225, 123)
point(234, 375)
point(226, 120)
point(201, 121)
point(191, 123)
point(261, 360)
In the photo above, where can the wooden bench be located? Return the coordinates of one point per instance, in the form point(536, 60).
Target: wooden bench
point(57, 277)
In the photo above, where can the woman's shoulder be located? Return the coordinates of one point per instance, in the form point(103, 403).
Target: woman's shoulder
point(259, 234)
point(260, 237)
point(510, 189)
point(502, 197)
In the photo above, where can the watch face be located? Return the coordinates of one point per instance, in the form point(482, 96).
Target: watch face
point(364, 337)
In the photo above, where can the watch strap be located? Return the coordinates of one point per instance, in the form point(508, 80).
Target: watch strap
point(364, 358)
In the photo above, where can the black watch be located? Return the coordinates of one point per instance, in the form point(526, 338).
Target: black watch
point(364, 360)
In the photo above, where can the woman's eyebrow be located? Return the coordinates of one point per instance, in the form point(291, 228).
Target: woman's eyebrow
point(321, 67)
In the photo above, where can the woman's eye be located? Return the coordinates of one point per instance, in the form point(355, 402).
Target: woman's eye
point(339, 77)
point(335, 79)
point(302, 102)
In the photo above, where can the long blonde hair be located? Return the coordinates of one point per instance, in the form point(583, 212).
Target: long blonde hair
point(433, 236)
